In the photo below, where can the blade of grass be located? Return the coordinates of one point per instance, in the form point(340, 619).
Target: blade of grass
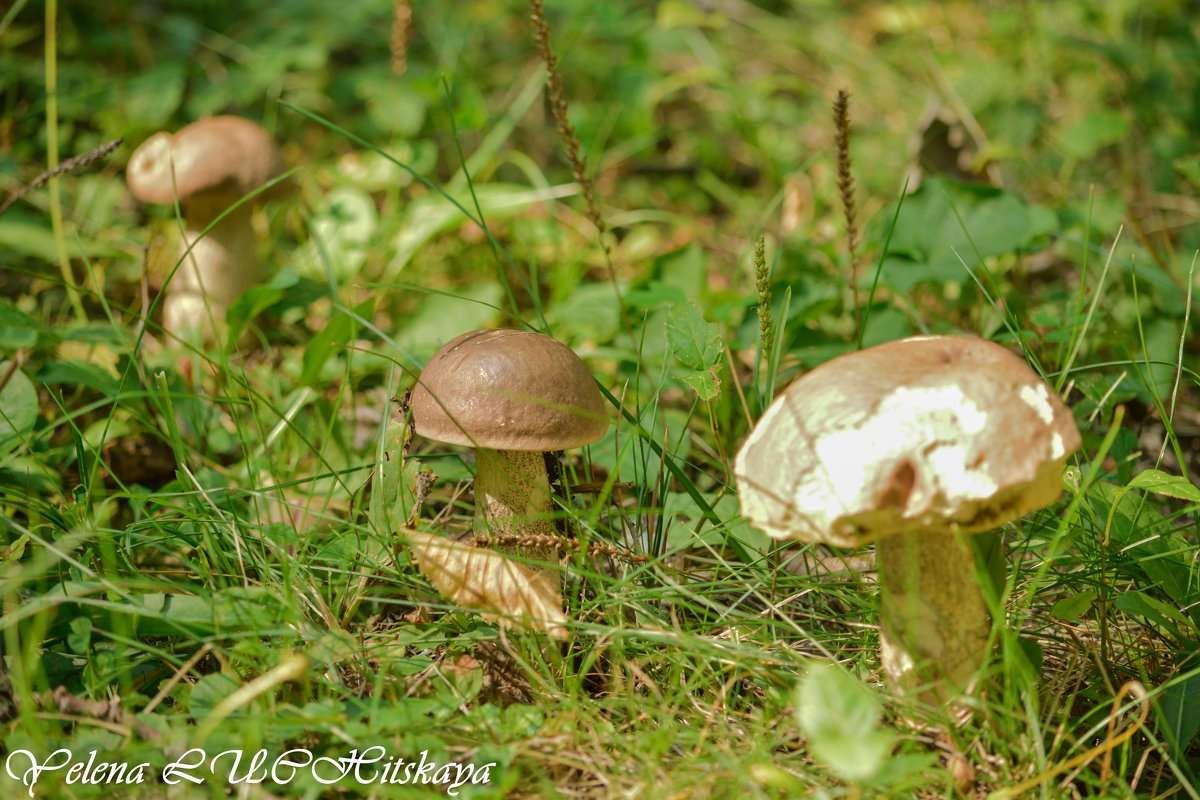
point(56, 214)
point(887, 240)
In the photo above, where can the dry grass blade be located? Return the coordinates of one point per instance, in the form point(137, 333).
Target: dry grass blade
point(401, 25)
point(500, 589)
point(78, 162)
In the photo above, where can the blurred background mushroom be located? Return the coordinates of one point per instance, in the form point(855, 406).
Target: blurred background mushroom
point(914, 444)
point(514, 396)
point(209, 166)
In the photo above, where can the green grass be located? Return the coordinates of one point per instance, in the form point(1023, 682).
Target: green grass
point(201, 545)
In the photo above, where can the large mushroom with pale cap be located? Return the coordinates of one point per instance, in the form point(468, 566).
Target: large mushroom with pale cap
point(514, 396)
point(209, 166)
point(913, 444)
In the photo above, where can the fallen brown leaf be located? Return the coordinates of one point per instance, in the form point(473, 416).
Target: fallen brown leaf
point(500, 589)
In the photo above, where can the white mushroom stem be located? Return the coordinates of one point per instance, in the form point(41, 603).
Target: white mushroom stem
point(220, 266)
point(512, 498)
point(934, 617)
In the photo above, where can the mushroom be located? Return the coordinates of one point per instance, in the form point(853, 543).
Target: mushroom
point(209, 165)
point(514, 396)
point(912, 444)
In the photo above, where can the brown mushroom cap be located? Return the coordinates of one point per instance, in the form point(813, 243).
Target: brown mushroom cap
point(508, 390)
point(217, 157)
point(940, 433)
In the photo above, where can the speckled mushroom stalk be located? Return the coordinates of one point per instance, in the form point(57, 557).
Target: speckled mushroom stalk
point(220, 266)
point(513, 396)
point(914, 444)
point(935, 618)
point(932, 610)
point(209, 165)
point(512, 498)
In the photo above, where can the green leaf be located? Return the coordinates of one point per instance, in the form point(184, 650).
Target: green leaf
point(840, 718)
point(687, 524)
point(258, 299)
point(15, 551)
point(33, 237)
point(1029, 656)
point(695, 341)
point(1156, 612)
point(332, 341)
point(81, 635)
point(706, 384)
point(426, 216)
point(1147, 540)
point(1179, 709)
point(1074, 606)
point(696, 344)
point(1094, 131)
point(931, 242)
point(590, 312)
point(209, 691)
point(1189, 167)
point(341, 231)
point(233, 610)
point(685, 270)
point(1159, 482)
point(18, 329)
point(444, 316)
point(74, 372)
point(152, 97)
point(18, 408)
point(652, 295)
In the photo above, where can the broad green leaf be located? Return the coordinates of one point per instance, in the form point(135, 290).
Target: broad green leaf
point(1158, 613)
point(590, 312)
point(705, 383)
point(209, 691)
point(74, 372)
point(1028, 656)
point(18, 408)
point(332, 341)
point(442, 317)
point(1189, 167)
point(1147, 540)
point(945, 223)
point(258, 299)
point(341, 229)
point(1074, 606)
point(1159, 482)
point(1095, 130)
point(1179, 709)
point(840, 719)
point(695, 341)
point(431, 214)
point(152, 97)
point(18, 329)
point(14, 552)
point(233, 610)
point(81, 635)
point(34, 238)
point(687, 524)
point(685, 270)
point(652, 295)
point(678, 14)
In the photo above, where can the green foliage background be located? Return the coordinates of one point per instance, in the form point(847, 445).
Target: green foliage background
point(176, 521)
